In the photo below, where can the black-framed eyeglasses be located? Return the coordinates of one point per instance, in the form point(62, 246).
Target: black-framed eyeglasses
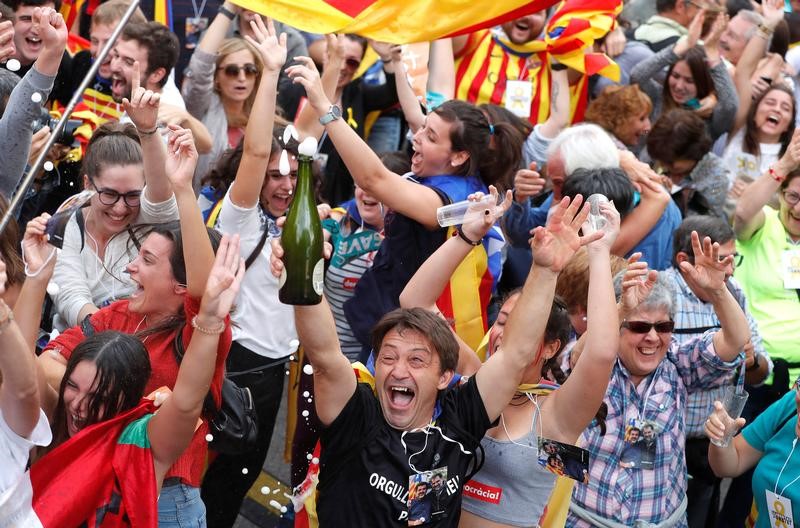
point(643, 327)
point(232, 70)
point(790, 197)
point(737, 259)
point(111, 197)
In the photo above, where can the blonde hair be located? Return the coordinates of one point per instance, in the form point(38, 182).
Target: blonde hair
point(233, 45)
point(110, 13)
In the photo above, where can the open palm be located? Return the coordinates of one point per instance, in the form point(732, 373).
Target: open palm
point(271, 46)
point(708, 272)
point(225, 279)
point(554, 244)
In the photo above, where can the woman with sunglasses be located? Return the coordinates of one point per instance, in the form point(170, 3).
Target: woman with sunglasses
point(511, 448)
point(768, 445)
point(220, 84)
point(768, 240)
point(648, 386)
point(125, 167)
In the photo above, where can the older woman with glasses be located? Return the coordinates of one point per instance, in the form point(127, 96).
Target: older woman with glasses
point(648, 391)
point(90, 271)
point(769, 241)
point(220, 86)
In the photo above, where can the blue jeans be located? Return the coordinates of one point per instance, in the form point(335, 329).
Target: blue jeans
point(180, 506)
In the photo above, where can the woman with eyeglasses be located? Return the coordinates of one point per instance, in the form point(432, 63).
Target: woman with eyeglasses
point(219, 86)
point(769, 241)
point(126, 171)
point(648, 387)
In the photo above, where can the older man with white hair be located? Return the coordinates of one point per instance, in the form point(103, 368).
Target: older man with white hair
point(647, 228)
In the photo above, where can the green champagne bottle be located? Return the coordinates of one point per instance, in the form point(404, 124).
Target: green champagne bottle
point(302, 278)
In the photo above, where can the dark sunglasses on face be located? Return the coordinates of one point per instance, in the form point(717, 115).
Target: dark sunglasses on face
point(232, 70)
point(352, 64)
point(643, 327)
point(111, 197)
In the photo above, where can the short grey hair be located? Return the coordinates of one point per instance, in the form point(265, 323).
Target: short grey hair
point(662, 297)
point(585, 146)
point(756, 20)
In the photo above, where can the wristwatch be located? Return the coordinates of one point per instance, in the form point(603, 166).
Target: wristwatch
point(334, 113)
point(226, 12)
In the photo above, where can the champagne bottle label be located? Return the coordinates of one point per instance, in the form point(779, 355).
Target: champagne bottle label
point(318, 277)
point(282, 278)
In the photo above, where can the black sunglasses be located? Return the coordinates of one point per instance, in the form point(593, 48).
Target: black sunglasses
point(643, 327)
point(352, 64)
point(232, 70)
point(111, 197)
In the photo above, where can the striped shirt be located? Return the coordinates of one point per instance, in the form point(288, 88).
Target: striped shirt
point(692, 313)
point(627, 495)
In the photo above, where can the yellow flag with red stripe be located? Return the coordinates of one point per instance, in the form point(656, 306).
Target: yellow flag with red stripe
point(397, 21)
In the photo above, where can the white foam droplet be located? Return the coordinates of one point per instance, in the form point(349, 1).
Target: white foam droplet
point(53, 289)
point(287, 134)
point(306, 394)
point(244, 471)
point(308, 369)
point(315, 460)
point(308, 147)
point(309, 400)
point(48, 166)
point(309, 456)
point(304, 413)
point(291, 358)
point(13, 65)
point(295, 135)
point(36, 97)
point(283, 165)
point(287, 372)
point(275, 504)
point(283, 509)
point(294, 343)
point(209, 437)
point(265, 490)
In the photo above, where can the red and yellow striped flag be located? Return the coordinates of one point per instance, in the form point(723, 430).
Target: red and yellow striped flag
point(397, 21)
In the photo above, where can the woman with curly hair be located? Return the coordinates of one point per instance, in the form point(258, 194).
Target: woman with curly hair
point(623, 112)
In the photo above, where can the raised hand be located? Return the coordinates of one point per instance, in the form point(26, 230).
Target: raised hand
point(7, 48)
point(36, 252)
point(637, 283)
point(224, 280)
point(609, 231)
point(307, 75)
point(708, 272)
point(334, 49)
point(181, 156)
point(387, 51)
point(53, 29)
point(527, 182)
point(719, 421)
point(476, 229)
point(711, 42)
point(791, 158)
point(554, 244)
point(142, 108)
point(772, 11)
point(270, 45)
point(689, 41)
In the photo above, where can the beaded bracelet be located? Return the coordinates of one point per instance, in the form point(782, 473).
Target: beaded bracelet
point(208, 331)
point(147, 132)
point(775, 176)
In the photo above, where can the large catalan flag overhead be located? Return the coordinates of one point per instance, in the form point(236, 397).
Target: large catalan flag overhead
point(398, 21)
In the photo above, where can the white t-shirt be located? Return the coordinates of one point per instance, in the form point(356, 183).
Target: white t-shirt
point(261, 322)
point(16, 492)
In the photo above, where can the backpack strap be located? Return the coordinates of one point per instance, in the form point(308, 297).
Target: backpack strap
point(257, 250)
point(81, 224)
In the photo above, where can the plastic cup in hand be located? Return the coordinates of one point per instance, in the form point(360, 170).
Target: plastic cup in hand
point(596, 219)
point(733, 401)
point(461, 212)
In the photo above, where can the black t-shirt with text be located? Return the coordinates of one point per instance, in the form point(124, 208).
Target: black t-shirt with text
point(365, 469)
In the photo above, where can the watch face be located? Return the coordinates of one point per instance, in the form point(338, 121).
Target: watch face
point(336, 112)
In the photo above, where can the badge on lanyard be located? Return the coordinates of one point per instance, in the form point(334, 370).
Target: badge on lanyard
point(640, 444)
point(519, 96)
point(427, 496)
point(564, 460)
point(780, 511)
point(352, 246)
point(194, 28)
point(790, 264)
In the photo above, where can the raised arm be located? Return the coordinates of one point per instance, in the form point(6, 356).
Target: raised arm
point(724, 112)
point(143, 111)
point(197, 250)
point(708, 274)
point(552, 247)
point(306, 120)
point(367, 170)
point(749, 215)
point(559, 103)
point(334, 381)
point(409, 104)
point(654, 200)
point(246, 188)
point(430, 280)
point(172, 428)
point(577, 401)
point(441, 69)
point(752, 54)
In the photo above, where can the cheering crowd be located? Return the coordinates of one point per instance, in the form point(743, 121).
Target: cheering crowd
point(609, 331)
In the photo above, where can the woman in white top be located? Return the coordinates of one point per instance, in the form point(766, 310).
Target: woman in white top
point(125, 167)
point(763, 126)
